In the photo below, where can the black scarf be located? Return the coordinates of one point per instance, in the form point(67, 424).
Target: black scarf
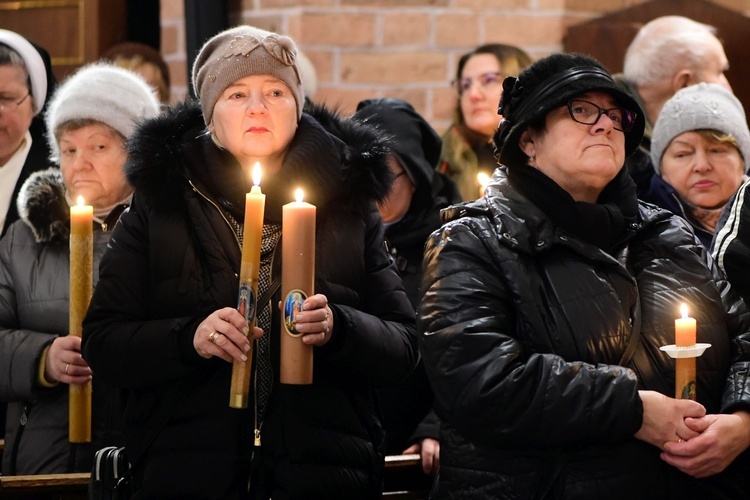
point(604, 223)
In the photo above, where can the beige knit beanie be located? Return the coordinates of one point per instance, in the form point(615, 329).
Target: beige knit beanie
point(240, 52)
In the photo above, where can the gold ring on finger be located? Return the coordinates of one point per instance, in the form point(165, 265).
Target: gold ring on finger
point(212, 336)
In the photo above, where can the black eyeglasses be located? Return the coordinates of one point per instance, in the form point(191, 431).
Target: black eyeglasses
point(10, 104)
point(486, 82)
point(588, 113)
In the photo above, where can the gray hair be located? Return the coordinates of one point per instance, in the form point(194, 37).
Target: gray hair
point(664, 46)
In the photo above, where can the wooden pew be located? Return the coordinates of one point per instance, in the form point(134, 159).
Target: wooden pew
point(403, 478)
point(45, 487)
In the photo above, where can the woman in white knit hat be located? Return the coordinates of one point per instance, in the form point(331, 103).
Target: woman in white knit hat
point(89, 119)
point(163, 321)
point(700, 149)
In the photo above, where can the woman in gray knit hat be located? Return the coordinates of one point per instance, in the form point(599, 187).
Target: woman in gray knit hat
point(88, 120)
point(163, 321)
point(701, 152)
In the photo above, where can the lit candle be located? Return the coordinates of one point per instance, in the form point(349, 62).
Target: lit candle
point(297, 283)
point(684, 329)
point(685, 372)
point(483, 179)
point(81, 287)
point(247, 301)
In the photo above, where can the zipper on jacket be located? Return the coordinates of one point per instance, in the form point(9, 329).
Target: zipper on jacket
point(19, 434)
point(256, 425)
point(218, 209)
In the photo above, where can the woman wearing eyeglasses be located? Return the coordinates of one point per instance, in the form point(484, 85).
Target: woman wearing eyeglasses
point(26, 83)
point(467, 148)
point(544, 306)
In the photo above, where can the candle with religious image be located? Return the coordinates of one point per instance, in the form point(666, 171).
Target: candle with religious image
point(297, 283)
point(685, 372)
point(81, 288)
point(247, 298)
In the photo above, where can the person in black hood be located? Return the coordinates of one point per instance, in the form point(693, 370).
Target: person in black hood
point(545, 304)
point(410, 213)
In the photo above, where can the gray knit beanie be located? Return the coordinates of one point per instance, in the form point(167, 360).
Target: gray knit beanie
point(240, 52)
point(114, 96)
point(705, 106)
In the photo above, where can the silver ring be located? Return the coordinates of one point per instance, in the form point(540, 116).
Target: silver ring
point(212, 336)
point(67, 365)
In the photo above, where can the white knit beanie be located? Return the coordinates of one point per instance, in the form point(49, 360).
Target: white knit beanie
point(34, 65)
point(114, 96)
point(705, 106)
point(240, 52)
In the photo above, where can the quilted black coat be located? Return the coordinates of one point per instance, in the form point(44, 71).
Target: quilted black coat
point(523, 326)
point(175, 259)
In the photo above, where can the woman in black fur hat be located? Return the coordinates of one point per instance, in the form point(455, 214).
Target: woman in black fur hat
point(163, 321)
point(545, 304)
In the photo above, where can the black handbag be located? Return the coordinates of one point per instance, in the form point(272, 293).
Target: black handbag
point(111, 477)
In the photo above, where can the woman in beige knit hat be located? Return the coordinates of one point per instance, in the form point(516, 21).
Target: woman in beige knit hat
point(163, 321)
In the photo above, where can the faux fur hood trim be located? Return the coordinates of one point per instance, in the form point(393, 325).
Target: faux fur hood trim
point(342, 158)
point(42, 206)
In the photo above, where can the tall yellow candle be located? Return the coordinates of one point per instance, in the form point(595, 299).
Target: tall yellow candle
point(247, 302)
point(685, 372)
point(81, 287)
point(297, 283)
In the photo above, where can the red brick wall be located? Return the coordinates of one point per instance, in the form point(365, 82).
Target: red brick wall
point(398, 48)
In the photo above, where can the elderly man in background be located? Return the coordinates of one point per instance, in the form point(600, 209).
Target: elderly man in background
point(668, 53)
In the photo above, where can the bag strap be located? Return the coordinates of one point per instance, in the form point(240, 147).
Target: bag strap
point(272, 288)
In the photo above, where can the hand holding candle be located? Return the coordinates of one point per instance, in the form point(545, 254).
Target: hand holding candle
point(297, 283)
point(247, 304)
point(81, 288)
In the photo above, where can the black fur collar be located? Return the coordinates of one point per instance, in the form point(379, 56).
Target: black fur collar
point(334, 158)
point(42, 206)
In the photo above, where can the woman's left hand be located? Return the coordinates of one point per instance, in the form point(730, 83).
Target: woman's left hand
point(315, 321)
point(721, 439)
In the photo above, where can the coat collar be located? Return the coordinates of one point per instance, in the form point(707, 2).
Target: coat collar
point(523, 226)
point(332, 158)
point(42, 206)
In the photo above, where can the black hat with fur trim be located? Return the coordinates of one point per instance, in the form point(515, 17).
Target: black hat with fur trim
point(547, 84)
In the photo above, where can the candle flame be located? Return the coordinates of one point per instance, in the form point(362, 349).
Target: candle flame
point(684, 311)
point(298, 194)
point(256, 173)
point(483, 179)
point(80, 201)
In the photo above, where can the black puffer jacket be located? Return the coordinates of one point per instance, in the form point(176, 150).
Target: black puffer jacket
point(522, 327)
point(34, 292)
point(175, 260)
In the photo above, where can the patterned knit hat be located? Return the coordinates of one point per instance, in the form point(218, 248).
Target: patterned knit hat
point(114, 96)
point(240, 52)
point(705, 106)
